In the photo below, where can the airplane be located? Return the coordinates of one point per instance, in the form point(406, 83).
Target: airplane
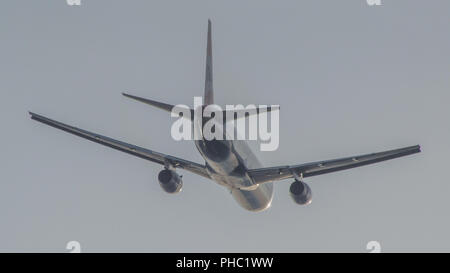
point(231, 163)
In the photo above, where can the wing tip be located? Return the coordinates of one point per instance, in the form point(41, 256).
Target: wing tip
point(37, 116)
point(127, 95)
point(33, 115)
point(418, 148)
point(411, 150)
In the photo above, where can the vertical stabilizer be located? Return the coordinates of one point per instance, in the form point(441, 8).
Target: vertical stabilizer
point(209, 92)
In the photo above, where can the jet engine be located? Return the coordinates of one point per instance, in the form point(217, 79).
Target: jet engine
point(300, 193)
point(170, 181)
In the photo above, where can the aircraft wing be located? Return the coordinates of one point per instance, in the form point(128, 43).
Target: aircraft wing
point(271, 174)
point(150, 155)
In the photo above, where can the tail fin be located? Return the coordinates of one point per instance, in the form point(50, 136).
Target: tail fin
point(209, 92)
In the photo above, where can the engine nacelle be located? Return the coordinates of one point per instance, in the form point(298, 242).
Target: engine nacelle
point(170, 181)
point(300, 193)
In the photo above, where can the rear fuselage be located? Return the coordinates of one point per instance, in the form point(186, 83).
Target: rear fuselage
point(227, 162)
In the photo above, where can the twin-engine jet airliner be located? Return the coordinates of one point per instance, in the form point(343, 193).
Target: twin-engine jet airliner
point(231, 163)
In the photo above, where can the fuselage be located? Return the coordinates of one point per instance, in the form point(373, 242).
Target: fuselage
point(227, 162)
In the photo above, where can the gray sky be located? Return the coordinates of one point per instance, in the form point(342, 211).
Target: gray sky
point(350, 79)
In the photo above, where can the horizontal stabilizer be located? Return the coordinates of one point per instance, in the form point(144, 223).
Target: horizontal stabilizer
point(238, 113)
point(157, 104)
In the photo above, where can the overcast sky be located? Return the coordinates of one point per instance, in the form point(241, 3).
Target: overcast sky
point(349, 78)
